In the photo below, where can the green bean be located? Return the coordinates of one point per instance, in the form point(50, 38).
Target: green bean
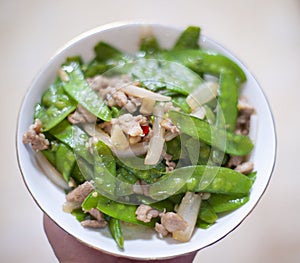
point(235, 144)
point(116, 231)
point(228, 101)
point(78, 88)
point(74, 137)
point(188, 39)
point(55, 106)
point(201, 178)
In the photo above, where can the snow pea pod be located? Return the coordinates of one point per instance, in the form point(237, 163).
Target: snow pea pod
point(113, 209)
point(54, 107)
point(201, 178)
point(188, 39)
point(120, 211)
point(105, 52)
point(207, 213)
point(149, 45)
point(104, 168)
point(228, 100)
point(78, 88)
point(235, 144)
point(203, 61)
point(65, 161)
point(116, 231)
point(224, 203)
point(74, 137)
point(157, 74)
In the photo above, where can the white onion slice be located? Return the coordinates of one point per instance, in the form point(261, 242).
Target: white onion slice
point(199, 113)
point(188, 210)
point(144, 93)
point(97, 132)
point(50, 171)
point(137, 149)
point(118, 138)
point(156, 144)
point(147, 106)
point(203, 94)
point(68, 207)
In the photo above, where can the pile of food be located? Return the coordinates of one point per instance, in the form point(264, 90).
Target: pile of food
point(159, 138)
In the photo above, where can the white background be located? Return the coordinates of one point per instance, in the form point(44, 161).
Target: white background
point(265, 35)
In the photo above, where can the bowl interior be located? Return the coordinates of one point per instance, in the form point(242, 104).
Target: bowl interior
point(138, 243)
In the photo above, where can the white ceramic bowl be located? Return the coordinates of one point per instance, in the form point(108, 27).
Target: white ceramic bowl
point(125, 36)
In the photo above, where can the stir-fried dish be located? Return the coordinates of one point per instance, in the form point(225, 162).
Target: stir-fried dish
point(159, 138)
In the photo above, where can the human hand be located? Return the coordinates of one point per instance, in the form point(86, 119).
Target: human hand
point(68, 249)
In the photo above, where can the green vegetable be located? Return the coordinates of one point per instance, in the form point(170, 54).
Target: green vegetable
point(65, 161)
point(204, 61)
point(104, 168)
point(225, 141)
point(158, 74)
point(113, 209)
point(207, 213)
point(74, 137)
point(201, 178)
point(78, 88)
point(149, 45)
point(116, 231)
point(228, 100)
point(105, 52)
point(188, 39)
point(221, 203)
point(56, 105)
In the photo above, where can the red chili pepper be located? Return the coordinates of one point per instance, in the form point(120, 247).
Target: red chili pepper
point(145, 129)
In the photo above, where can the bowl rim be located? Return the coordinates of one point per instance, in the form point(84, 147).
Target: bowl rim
point(120, 24)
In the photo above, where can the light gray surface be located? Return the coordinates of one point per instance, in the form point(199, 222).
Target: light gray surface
point(265, 35)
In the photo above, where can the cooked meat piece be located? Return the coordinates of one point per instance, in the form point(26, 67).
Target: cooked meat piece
point(234, 161)
point(34, 137)
point(245, 168)
point(93, 223)
point(134, 140)
point(169, 106)
point(244, 116)
point(170, 164)
point(81, 115)
point(98, 222)
point(91, 142)
point(80, 192)
point(109, 90)
point(131, 125)
point(145, 213)
point(120, 98)
point(96, 214)
point(173, 222)
point(141, 187)
point(169, 126)
point(98, 83)
point(159, 228)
